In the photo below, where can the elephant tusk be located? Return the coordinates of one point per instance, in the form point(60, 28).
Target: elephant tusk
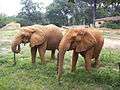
point(14, 59)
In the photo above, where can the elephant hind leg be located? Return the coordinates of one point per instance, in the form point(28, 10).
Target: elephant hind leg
point(42, 50)
point(53, 54)
point(33, 54)
point(97, 61)
point(74, 61)
point(88, 58)
point(57, 62)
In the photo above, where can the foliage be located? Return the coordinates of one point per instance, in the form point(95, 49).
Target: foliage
point(5, 20)
point(113, 25)
point(57, 12)
point(80, 12)
point(63, 12)
point(30, 13)
point(66, 13)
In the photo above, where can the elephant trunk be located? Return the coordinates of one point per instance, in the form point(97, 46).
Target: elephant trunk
point(60, 64)
point(62, 49)
point(15, 48)
point(16, 44)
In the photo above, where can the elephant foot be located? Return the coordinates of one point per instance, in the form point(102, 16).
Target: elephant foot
point(88, 72)
point(57, 70)
point(43, 62)
point(60, 82)
point(52, 59)
point(73, 69)
point(95, 65)
point(33, 62)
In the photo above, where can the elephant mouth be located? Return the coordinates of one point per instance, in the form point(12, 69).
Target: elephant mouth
point(25, 42)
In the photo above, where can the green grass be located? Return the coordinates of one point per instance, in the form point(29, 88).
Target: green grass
point(25, 76)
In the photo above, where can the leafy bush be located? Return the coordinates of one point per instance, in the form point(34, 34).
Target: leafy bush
point(113, 25)
point(5, 20)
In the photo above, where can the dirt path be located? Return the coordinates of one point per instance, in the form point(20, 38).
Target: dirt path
point(112, 43)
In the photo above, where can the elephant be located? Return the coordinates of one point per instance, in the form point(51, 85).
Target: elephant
point(40, 37)
point(85, 41)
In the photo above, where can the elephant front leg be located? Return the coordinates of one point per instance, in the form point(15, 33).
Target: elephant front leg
point(60, 64)
point(33, 54)
point(88, 57)
point(53, 54)
point(74, 61)
point(57, 62)
point(88, 64)
point(96, 64)
point(42, 50)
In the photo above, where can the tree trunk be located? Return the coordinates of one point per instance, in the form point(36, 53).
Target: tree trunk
point(94, 11)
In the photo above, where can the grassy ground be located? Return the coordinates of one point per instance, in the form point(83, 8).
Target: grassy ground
point(25, 76)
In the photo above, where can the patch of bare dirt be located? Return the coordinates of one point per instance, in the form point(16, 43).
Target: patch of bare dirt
point(112, 38)
point(112, 43)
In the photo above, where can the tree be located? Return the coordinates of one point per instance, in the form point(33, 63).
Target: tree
point(57, 12)
point(113, 7)
point(30, 13)
point(64, 13)
point(94, 3)
point(5, 20)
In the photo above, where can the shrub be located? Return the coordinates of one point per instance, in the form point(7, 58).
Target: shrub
point(5, 20)
point(113, 25)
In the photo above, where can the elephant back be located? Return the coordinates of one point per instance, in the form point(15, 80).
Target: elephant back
point(54, 36)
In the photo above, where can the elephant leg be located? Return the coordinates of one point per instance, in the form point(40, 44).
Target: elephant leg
point(74, 61)
point(53, 54)
point(97, 62)
point(57, 61)
point(96, 56)
point(60, 64)
point(33, 54)
point(88, 57)
point(42, 50)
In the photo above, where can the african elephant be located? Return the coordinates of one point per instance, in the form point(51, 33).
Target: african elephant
point(86, 41)
point(40, 37)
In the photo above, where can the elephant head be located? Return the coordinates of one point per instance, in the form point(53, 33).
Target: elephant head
point(76, 39)
point(28, 34)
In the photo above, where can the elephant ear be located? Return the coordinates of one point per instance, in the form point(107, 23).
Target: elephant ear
point(37, 38)
point(87, 41)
